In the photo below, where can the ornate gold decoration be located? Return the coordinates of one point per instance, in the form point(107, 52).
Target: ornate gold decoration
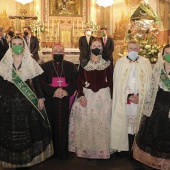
point(66, 32)
point(163, 12)
point(144, 11)
point(66, 7)
point(122, 27)
point(132, 3)
point(4, 20)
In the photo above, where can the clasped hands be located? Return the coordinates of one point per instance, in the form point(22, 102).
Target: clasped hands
point(60, 93)
point(40, 104)
point(134, 99)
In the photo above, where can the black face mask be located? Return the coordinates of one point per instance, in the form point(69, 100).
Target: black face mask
point(25, 33)
point(58, 57)
point(96, 51)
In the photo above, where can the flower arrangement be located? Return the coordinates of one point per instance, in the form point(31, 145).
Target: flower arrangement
point(149, 50)
point(93, 26)
point(37, 27)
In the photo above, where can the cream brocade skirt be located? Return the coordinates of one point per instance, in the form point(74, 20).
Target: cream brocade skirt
point(89, 128)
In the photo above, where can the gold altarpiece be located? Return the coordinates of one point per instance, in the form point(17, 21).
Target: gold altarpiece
point(5, 21)
point(64, 23)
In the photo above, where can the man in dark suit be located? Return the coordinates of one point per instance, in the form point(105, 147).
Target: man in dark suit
point(3, 43)
point(32, 42)
point(108, 44)
point(85, 43)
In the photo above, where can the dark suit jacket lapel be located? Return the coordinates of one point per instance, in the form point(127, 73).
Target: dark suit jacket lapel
point(102, 42)
point(85, 40)
point(31, 42)
point(107, 41)
point(90, 40)
point(2, 44)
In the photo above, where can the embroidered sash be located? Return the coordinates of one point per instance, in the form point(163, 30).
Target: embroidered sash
point(28, 93)
point(165, 79)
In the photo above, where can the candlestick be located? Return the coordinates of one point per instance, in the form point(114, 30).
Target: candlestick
point(52, 26)
point(58, 28)
point(48, 27)
point(77, 26)
point(73, 28)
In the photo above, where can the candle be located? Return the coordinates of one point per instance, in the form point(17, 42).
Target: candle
point(73, 28)
point(82, 25)
point(77, 26)
point(52, 26)
point(58, 28)
point(48, 27)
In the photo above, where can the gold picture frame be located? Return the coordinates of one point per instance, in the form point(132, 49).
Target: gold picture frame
point(72, 8)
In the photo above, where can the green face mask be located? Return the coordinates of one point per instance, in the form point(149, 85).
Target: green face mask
point(167, 58)
point(17, 49)
point(103, 34)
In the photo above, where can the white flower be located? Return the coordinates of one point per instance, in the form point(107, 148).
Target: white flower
point(147, 46)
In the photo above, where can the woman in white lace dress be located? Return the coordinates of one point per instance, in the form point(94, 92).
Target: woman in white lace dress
point(89, 129)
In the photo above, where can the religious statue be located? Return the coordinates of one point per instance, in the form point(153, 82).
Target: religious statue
point(62, 5)
point(72, 7)
point(67, 7)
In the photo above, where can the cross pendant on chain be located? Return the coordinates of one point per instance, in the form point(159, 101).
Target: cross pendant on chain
point(59, 82)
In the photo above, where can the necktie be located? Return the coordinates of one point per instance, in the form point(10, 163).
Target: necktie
point(104, 40)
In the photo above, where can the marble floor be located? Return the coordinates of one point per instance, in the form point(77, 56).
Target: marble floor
point(75, 163)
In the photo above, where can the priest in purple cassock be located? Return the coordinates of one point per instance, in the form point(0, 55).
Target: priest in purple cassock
point(59, 82)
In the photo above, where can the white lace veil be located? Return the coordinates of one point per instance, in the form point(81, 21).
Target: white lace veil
point(153, 86)
point(29, 67)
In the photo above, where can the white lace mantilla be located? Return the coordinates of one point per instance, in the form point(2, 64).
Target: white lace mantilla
point(101, 65)
point(29, 67)
point(153, 87)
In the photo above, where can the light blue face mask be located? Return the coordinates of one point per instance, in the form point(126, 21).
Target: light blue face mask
point(133, 55)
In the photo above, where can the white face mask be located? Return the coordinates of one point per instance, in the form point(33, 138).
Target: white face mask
point(88, 33)
point(133, 55)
